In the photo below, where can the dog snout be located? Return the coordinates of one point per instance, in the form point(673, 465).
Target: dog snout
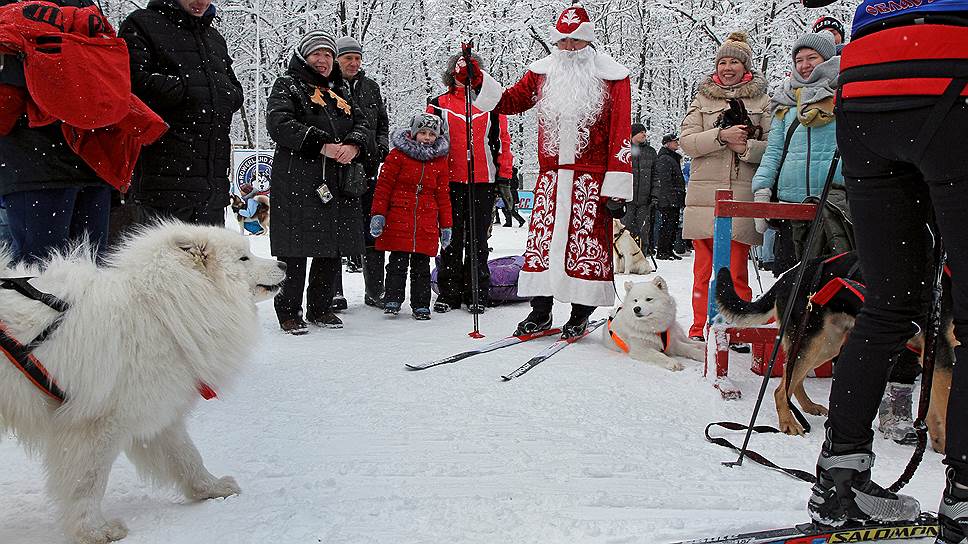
point(281, 265)
point(637, 310)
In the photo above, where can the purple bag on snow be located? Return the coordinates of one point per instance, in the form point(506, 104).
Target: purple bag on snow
point(504, 278)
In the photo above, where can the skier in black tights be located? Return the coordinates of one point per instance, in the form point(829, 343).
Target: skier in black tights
point(902, 129)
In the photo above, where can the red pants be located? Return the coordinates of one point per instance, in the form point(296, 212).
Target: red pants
point(702, 269)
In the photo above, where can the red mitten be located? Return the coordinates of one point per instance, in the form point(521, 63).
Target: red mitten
point(476, 76)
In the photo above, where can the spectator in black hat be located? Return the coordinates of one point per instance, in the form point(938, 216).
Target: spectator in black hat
point(638, 218)
point(833, 26)
point(366, 96)
point(670, 195)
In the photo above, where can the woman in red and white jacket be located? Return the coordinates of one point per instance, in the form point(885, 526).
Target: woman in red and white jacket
point(492, 164)
point(411, 208)
point(902, 115)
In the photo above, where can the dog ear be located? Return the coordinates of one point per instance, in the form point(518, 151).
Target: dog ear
point(198, 251)
point(659, 283)
point(628, 286)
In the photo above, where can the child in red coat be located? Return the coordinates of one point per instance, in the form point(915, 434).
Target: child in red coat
point(411, 208)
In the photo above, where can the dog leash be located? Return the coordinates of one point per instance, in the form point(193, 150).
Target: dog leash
point(753, 455)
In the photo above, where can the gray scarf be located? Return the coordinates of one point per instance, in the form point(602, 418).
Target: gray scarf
point(821, 86)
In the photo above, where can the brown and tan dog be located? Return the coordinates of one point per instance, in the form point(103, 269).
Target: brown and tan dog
point(825, 331)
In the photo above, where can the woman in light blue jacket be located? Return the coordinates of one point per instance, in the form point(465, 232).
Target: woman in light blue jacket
point(803, 114)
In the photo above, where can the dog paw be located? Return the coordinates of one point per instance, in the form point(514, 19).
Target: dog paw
point(674, 366)
point(108, 531)
point(791, 428)
point(815, 409)
point(216, 489)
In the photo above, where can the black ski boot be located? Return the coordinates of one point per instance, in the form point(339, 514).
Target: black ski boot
point(844, 492)
point(953, 512)
point(578, 321)
point(538, 320)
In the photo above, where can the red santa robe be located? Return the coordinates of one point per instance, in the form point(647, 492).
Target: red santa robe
point(569, 250)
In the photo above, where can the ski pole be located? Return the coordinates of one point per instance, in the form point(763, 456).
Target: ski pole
point(471, 220)
point(756, 268)
point(793, 299)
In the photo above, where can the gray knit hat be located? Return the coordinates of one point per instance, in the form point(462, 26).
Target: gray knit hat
point(317, 39)
point(822, 43)
point(347, 45)
point(426, 121)
point(738, 48)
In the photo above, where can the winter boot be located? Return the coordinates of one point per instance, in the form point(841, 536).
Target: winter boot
point(421, 314)
point(894, 414)
point(328, 321)
point(373, 262)
point(391, 308)
point(578, 321)
point(953, 512)
point(844, 492)
point(339, 303)
point(442, 306)
point(295, 327)
point(354, 264)
point(538, 320)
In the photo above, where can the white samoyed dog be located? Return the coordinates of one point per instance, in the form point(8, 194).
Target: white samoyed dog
point(645, 327)
point(169, 314)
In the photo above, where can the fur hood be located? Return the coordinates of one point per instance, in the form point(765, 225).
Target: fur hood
point(751, 89)
point(401, 140)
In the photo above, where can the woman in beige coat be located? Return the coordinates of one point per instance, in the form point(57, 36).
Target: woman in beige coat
point(723, 158)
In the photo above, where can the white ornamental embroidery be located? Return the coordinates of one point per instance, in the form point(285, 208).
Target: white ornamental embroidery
point(570, 17)
point(625, 153)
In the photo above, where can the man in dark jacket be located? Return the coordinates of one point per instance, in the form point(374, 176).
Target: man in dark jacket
point(366, 96)
point(670, 195)
point(180, 67)
point(51, 196)
point(638, 218)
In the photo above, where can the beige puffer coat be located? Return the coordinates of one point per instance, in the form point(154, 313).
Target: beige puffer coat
point(715, 166)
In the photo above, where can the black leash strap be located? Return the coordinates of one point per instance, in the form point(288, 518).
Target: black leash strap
point(937, 116)
point(752, 455)
point(21, 358)
point(22, 286)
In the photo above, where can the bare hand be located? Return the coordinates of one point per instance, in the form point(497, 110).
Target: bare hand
point(330, 150)
point(346, 153)
point(735, 135)
point(738, 149)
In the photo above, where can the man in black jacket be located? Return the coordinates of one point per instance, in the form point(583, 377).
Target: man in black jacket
point(366, 95)
point(638, 218)
point(180, 67)
point(670, 195)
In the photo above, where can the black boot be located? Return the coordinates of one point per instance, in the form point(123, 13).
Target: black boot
point(953, 512)
point(578, 321)
point(845, 493)
point(539, 319)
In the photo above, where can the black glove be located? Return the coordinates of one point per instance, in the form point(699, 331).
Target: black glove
point(502, 181)
point(616, 208)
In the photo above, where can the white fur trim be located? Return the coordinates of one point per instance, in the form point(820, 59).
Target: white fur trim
point(490, 95)
point(617, 185)
point(585, 31)
point(555, 281)
point(606, 67)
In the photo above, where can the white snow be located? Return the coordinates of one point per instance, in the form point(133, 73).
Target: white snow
point(333, 441)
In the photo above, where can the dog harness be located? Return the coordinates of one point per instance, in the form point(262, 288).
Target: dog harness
point(624, 346)
point(21, 355)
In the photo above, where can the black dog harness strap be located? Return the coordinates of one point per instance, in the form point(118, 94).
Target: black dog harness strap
point(21, 355)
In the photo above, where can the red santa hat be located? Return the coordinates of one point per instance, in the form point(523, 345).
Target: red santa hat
point(573, 23)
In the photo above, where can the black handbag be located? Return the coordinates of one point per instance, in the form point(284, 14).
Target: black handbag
point(352, 180)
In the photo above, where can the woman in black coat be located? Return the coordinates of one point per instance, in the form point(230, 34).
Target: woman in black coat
point(317, 133)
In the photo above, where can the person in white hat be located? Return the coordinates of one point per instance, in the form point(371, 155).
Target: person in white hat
point(583, 101)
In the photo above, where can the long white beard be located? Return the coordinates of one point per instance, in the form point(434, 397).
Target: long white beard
point(572, 98)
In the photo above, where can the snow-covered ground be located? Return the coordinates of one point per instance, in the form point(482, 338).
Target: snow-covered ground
point(332, 441)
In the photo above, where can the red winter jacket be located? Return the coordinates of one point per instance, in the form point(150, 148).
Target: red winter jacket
point(413, 194)
point(492, 141)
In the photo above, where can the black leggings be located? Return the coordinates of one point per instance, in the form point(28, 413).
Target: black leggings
point(319, 292)
point(893, 195)
point(419, 278)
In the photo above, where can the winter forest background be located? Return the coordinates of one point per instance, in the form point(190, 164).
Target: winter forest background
point(668, 45)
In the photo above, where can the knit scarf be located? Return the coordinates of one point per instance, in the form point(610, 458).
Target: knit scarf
point(813, 97)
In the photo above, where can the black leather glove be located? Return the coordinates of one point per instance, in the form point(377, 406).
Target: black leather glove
point(616, 208)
